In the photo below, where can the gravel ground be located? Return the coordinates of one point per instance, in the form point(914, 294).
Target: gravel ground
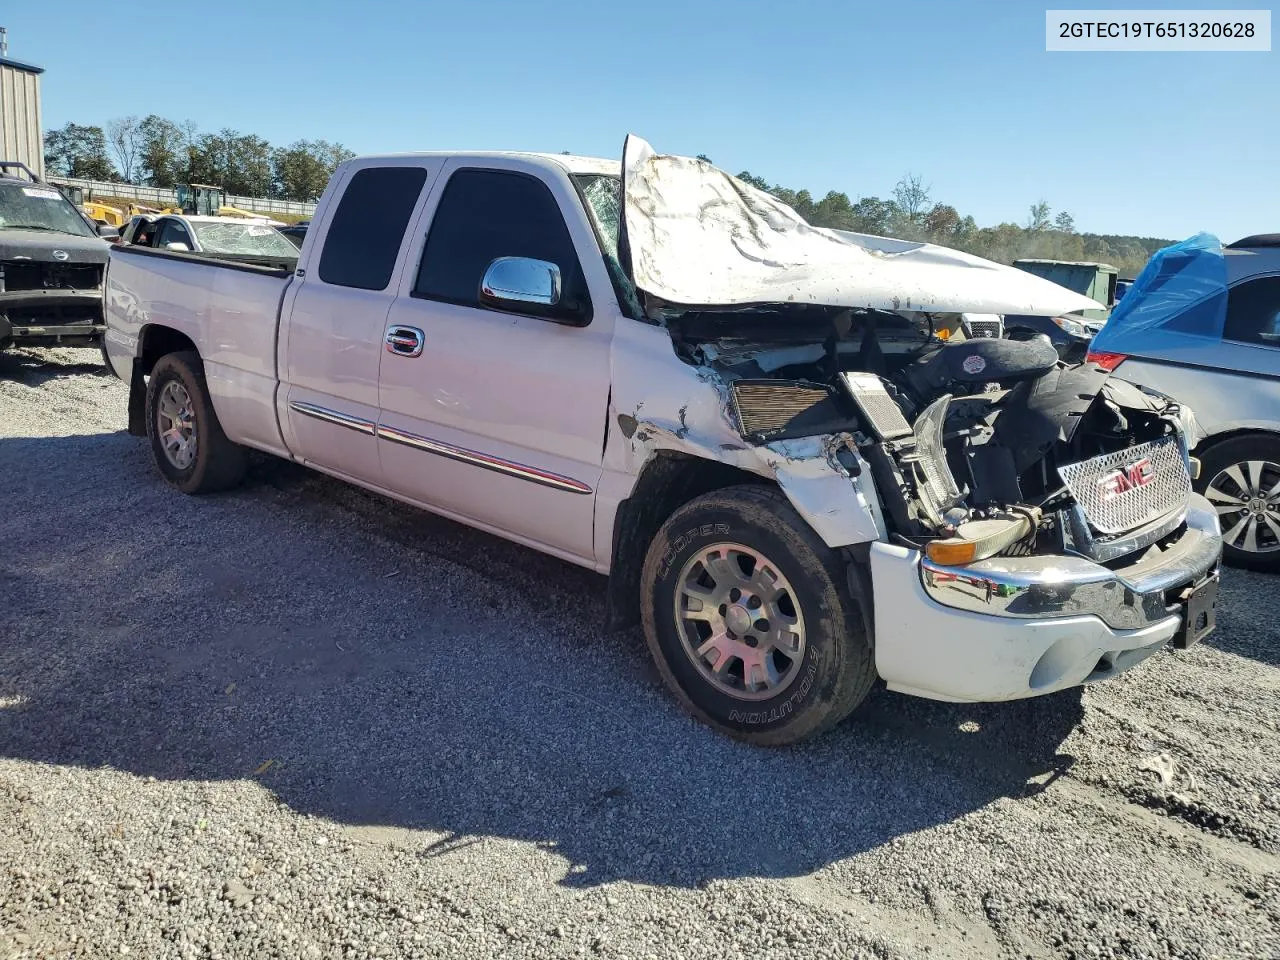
point(297, 720)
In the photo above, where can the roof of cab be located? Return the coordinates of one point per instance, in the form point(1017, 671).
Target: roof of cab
point(568, 161)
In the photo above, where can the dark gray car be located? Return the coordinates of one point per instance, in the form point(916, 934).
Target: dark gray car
point(51, 268)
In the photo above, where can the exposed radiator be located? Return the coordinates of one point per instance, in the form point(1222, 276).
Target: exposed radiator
point(767, 408)
point(878, 409)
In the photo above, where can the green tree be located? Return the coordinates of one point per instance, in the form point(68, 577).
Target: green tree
point(249, 170)
point(301, 170)
point(79, 151)
point(164, 160)
point(1039, 216)
point(875, 216)
point(1064, 222)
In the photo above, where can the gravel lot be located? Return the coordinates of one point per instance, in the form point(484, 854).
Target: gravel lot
point(297, 720)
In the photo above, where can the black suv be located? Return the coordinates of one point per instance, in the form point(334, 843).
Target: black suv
point(52, 259)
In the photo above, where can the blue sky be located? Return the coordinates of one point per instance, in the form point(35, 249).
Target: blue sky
point(826, 94)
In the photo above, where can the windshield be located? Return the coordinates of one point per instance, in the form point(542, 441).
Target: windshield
point(603, 195)
point(33, 206)
point(243, 239)
point(604, 199)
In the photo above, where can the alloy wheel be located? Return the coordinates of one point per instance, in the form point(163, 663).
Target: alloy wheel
point(176, 425)
point(739, 621)
point(1247, 498)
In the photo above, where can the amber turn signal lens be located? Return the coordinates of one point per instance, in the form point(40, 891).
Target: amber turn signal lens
point(951, 553)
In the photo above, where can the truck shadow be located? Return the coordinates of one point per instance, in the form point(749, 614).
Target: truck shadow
point(34, 367)
point(400, 670)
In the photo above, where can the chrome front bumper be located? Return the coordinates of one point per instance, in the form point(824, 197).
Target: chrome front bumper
point(1016, 627)
point(1126, 598)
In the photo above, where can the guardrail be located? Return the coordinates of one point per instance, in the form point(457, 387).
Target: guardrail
point(166, 196)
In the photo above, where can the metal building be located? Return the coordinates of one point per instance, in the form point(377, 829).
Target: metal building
point(20, 127)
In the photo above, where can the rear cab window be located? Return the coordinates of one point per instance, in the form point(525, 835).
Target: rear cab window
point(364, 236)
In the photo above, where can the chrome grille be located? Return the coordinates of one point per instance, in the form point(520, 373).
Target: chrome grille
point(1124, 490)
point(984, 329)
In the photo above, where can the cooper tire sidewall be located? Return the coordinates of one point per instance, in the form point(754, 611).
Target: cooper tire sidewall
point(818, 669)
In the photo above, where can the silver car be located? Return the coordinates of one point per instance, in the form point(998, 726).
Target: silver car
point(1203, 326)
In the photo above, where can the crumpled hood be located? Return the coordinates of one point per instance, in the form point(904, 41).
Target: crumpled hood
point(694, 235)
point(39, 245)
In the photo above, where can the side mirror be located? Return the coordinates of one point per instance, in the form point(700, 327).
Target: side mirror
point(108, 232)
point(179, 246)
point(521, 281)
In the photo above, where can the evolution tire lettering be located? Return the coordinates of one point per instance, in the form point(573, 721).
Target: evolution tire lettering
point(782, 710)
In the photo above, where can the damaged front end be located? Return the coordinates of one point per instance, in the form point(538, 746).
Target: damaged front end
point(978, 448)
point(1028, 525)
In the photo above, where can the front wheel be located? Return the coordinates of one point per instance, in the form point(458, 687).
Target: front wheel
point(751, 621)
point(187, 440)
point(1241, 478)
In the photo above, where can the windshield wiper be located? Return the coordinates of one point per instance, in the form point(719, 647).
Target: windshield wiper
point(34, 226)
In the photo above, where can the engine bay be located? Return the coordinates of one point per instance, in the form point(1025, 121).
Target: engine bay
point(979, 446)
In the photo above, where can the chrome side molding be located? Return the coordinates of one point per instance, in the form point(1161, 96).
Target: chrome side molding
point(475, 458)
point(357, 424)
point(510, 467)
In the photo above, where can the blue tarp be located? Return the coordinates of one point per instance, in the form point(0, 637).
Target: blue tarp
point(1179, 298)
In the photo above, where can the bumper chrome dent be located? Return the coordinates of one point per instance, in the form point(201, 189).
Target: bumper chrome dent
point(1125, 598)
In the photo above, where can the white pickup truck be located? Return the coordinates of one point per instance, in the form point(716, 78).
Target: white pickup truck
point(776, 440)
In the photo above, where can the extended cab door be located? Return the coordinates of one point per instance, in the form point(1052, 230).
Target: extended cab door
point(335, 310)
point(498, 416)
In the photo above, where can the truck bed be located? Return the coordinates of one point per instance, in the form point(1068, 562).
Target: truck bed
point(208, 300)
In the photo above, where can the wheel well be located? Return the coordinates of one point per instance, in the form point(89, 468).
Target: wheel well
point(668, 481)
point(1218, 438)
point(1208, 443)
point(156, 342)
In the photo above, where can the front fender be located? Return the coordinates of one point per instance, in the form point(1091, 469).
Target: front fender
point(662, 404)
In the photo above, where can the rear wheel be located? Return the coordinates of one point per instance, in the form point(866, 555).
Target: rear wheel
point(187, 440)
point(751, 619)
point(1241, 478)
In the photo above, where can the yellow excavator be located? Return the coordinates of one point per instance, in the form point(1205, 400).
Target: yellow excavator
point(100, 212)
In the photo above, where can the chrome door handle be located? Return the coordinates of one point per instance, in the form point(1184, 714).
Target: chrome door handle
point(405, 341)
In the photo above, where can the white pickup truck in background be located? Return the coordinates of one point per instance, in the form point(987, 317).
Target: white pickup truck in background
point(775, 440)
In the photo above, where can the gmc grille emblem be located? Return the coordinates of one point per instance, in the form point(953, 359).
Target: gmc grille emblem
point(1131, 477)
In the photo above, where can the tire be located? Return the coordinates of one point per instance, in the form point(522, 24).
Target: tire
point(827, 668)
point(1228, 471)
point(213, 462)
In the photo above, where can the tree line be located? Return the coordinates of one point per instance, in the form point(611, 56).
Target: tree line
point(912, 213)
point(161, 153)
point(158, 152)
